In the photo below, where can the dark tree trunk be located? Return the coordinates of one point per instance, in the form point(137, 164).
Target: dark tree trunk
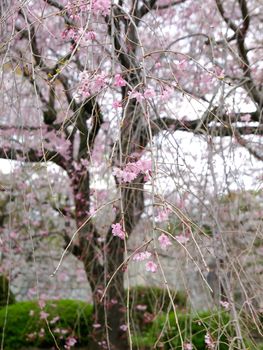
point(109, 313)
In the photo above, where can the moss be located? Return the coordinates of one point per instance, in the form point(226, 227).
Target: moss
point(147, 302)
point(24, 328)
point(6, 295)
point(165, 333)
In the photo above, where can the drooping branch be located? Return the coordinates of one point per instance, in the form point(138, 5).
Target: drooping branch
point(33, 156)
point(152, 5)
point(217, 128)
point(240, 35)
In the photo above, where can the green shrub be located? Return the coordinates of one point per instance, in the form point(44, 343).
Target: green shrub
point(147, 302)
point(192, 329)
point(6, 296)
point(24, 326)
point(155, 299)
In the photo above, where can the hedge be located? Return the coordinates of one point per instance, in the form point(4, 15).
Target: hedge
point(23, 326)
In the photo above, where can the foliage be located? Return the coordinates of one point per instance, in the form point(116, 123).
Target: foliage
point(155, 298)
point(192, 329)
point(24, 326)
point(6, 295)
point(146, 302)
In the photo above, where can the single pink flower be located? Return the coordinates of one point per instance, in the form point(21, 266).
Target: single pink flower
point(43, 315)
point(151, 266)
point(149, 93)
point(116, 104)
point(182, 239)
point(245, 118)
point(164, 241)
point(118, 231)
point(119, 81)
point(124, 327)
point(141, 307)
point(96, 325)
point(188, 346)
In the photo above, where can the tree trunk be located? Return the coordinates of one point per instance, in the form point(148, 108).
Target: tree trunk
point(109, 314)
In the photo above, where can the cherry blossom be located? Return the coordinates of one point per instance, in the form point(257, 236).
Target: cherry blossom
point(116, 104)
point(182, 239)
point(150, 266)
point(119, 81)
point(163, 215)
point(188, 346)
point(71, 341)
point(43, 315)
point(142, 256)
point(101, 7)
point(96, 325)
point(210, 344)
point(245, 118)
point(225, 304)
point(132, 170)
point(149, 93)
point(123, 327)
point(137, 95)
point(117, 230)
point(141, 307)
point(164, 241)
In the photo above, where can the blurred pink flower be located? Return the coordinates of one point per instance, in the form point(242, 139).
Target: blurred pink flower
point(164, 241)
point(151, 266)
point(118, 231)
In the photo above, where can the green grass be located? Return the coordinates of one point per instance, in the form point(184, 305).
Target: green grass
point(75, 317)
point(23, 323)
point(189, 329)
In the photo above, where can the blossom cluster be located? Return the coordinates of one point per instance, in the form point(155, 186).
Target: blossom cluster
point(132, 170)
point(76, 34)
point(164, 241)
point(210, 344)
point(150, 266)
point(90, 84)
point(150, 93)
point(117, 230)
point(97, 7)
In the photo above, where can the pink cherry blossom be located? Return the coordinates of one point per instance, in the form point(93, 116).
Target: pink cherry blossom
point(71, 341)
point(118, 231)
point(96, 325)
point(149, 93)
point(188, 346)
point(245, 118)
point(101, 7)
point(54, 320)
point(210, 344)
point(41, 303)
point(164, 241)
point(116, 104)
point(119, 81)
point(132, 170)
point(136, 94)
point(167, 93)
point(43, 315)
point(150, 266)
point(123, 327)
point(141, 256)
point(225, 305)
point(91, 35)
point(141, 307)
point(182, 239)
point(163, 215)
